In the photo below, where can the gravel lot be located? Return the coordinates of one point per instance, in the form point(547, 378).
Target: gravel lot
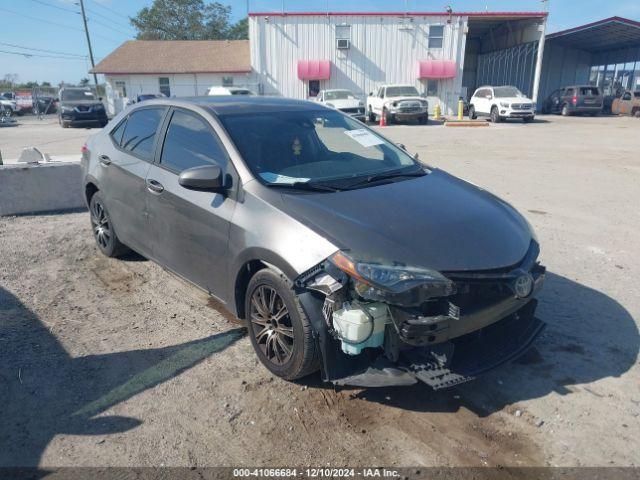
point(118, 363)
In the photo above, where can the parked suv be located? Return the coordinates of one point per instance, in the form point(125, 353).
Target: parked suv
point(574, 99)
point(341, 252)
point(500, 103)
point(79, 106)
point(627, 104)
point(397, 103)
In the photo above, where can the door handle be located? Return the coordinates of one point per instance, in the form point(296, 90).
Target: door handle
point(154, 186)
point(104, 160)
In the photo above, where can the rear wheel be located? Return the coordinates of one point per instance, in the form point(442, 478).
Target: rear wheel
point(565, 110)
point(495, 115)
point(102, 227)
point(472, 113)
point(388, 118)
point(279, 330)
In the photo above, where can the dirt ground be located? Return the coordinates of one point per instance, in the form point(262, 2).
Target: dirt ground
point(118, 363)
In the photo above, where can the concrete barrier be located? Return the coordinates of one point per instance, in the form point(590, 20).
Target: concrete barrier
point(40, 188)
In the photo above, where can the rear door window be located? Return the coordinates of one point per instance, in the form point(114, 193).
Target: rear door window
point(140, 132)
point(589, 91)
point(191, 142)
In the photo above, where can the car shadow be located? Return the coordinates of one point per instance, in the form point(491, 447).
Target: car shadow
point(589, 336)
point(44, 391)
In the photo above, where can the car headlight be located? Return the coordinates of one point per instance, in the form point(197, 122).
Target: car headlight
point(66, 109)
point(383, 281)
point(504, 104)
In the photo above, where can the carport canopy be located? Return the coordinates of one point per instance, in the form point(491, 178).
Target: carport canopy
point(612, 33)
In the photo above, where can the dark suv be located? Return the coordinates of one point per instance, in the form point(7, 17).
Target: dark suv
point(574, 99)
point(79, 106)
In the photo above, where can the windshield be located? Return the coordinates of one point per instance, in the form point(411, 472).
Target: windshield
point(73, 95)
point(338, 95)
point(505, 92)
point(309, 146)
point(402, 92)
point(241, 92)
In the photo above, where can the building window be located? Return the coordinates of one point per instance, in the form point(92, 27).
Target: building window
point(314, 88)
point(165, 89)
point(343, 32)
point(122, 88)
point(432, 88)
point(436, 35)
point(227, 81)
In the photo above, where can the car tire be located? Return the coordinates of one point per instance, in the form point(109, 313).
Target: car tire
point(636, 113)
point(472, 113)
point(371, 116)
point(283, 342)
point(102, 229)
point(495, 115)
point(565, 110)
point(388, 118)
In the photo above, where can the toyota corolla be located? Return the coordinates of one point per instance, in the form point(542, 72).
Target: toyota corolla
point(340, 250)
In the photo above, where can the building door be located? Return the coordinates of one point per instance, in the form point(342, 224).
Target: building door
point(313, 88)
point(432, 93)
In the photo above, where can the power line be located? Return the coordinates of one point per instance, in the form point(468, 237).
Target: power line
point(42, 50)
point(42, 2)
point(91, 19)
point(98, 4)
point(40, 19)
point(29, 55)
point(117, 22)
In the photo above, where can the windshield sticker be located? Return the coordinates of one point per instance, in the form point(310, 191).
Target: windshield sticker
point(364, 137)
point(277, 178)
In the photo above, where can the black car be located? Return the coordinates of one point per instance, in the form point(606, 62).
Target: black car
point(80, 107)
point(44, 104)
point(574, 99)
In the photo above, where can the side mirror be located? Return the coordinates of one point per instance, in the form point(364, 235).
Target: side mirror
point(371, 94)
point(100, 98)
point(208, 178)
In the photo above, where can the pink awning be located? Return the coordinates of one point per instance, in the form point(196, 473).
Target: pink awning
point(314, 69)
point(436, 69)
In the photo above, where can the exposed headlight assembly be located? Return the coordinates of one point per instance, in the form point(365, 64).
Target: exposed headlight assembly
point(394, 283)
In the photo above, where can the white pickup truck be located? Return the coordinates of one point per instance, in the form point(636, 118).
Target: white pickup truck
point(397, 103)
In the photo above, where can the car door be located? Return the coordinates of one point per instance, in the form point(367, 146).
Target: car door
point(190, 228)
point(481, 103)
point(124, 163)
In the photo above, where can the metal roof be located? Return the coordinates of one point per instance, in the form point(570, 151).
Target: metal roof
point(609, 34)
point(400, 14)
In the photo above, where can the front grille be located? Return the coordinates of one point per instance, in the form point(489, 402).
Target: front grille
point(83, 108)
point(352, 110)
point(521, 106)
point(409, 107)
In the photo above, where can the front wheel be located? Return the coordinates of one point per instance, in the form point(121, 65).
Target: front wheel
point(565, 110)
point(102, 227)
point(495, 115)
point(388, 117)
point(280, 332)
point(472, 113)
point(372, 116)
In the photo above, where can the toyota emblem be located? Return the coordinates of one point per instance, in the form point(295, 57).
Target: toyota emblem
point(523, 285)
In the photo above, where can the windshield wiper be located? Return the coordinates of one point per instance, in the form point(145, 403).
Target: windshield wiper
point(386, 176)
point(310, 186)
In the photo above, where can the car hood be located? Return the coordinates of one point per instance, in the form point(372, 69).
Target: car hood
point(402, 99)
point(514, 99)
point(435, 221)
point(344, 103)
point(77, 103)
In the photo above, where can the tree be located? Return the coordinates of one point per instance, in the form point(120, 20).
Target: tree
point(239, 31)
point(183, 20)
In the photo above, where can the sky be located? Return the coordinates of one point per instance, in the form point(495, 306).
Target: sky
point(33, 26)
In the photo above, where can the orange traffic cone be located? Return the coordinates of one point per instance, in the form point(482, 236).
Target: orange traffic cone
point(383, 120)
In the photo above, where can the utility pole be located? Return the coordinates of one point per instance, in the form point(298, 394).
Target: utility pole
point(86, 31)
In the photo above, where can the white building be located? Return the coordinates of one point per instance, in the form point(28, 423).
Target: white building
point(174, 68)
point(445, 55)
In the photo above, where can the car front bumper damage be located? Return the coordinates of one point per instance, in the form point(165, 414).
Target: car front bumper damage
point(487, 321)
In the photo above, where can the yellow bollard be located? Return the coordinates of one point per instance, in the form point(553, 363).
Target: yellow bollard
point(437, 113)
point(460, 109)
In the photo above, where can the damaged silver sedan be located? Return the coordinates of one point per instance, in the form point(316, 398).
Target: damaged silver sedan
point(341, 251)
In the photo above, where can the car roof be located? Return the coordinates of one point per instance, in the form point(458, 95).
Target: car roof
point(233, 104)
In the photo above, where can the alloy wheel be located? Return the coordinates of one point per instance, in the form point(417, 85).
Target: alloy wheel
point(101, 225)
point(271, 325)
